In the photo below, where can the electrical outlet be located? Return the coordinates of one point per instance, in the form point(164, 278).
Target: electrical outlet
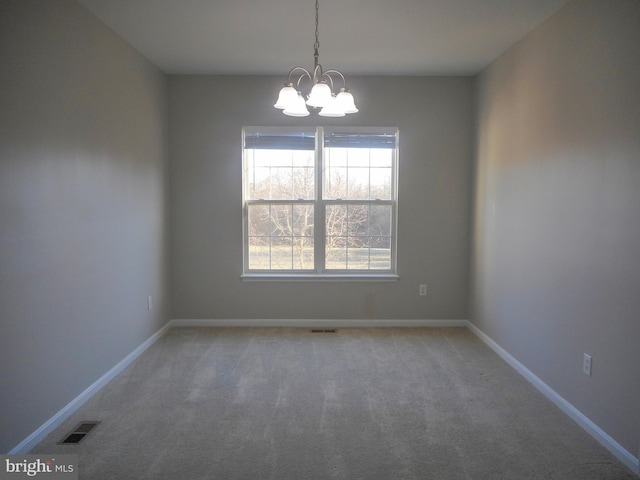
point(586, 364)
point(423, 290)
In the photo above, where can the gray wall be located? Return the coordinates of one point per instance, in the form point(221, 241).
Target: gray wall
point(82, 227)
point(83, 234)
point(435, 120)
point(556, 265)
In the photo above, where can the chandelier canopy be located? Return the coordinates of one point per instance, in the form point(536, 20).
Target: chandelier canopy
point(322, 95)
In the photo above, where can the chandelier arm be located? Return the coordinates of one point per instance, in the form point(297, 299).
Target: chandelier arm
point(300, 79)
point(317, 73)
point(305, 72)
point(327, 74)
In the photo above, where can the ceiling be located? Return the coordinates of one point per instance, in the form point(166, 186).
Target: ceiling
point(368, 37)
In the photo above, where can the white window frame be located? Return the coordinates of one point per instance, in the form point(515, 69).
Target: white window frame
point(320, 272)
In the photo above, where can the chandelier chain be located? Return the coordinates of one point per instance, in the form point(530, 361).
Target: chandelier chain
point(316, 46)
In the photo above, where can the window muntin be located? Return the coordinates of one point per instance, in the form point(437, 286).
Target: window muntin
point(346, 226)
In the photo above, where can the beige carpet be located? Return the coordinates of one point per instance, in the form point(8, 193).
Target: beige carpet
point(235, 403)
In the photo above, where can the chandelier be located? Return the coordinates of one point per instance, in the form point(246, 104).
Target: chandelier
point(292, 102)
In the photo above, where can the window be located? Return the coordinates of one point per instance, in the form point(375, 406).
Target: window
point(320, 202)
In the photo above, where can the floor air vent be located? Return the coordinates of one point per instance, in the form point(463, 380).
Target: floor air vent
point(323, 330)
point(79, 433)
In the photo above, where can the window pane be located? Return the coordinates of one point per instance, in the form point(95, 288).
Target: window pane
point(336, 225)
point(281, 253)
point(335, 157)
point(380, 253)
point(358, 157)
point(280, 174)
point(259, 253)
point(303, 253)
point(357, 183)
point(380, 220)
point(358, 257)
point(336, 183)
point(358, 237)
point(259, 220)
point(303, 241)
point(336, 220)
point(281, 183)
point(380, 182)
point(280, 220)
point(281, 237)
point(278, 158)
point(357, 220)
point(358, 174)
point(303, 220)
point(336, 253)
point(381, 157)
point(303, 180)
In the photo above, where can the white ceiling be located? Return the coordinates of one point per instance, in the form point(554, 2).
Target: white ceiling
point(371, 37)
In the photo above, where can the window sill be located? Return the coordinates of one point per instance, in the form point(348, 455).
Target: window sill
point(313, 277)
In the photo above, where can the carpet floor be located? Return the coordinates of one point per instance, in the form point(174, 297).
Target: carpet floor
point(285, 403)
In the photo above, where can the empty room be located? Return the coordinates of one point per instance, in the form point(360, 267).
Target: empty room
point(320, 239)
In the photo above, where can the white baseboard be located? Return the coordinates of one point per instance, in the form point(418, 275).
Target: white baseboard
point(326, 323)
point(54, 422)
point(576, 415)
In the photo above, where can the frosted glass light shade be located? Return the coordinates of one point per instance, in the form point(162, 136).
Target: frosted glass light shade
point(320, 95)
point(345, 99)
point(332, 108)
point(297, 108)
point(287, 96)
